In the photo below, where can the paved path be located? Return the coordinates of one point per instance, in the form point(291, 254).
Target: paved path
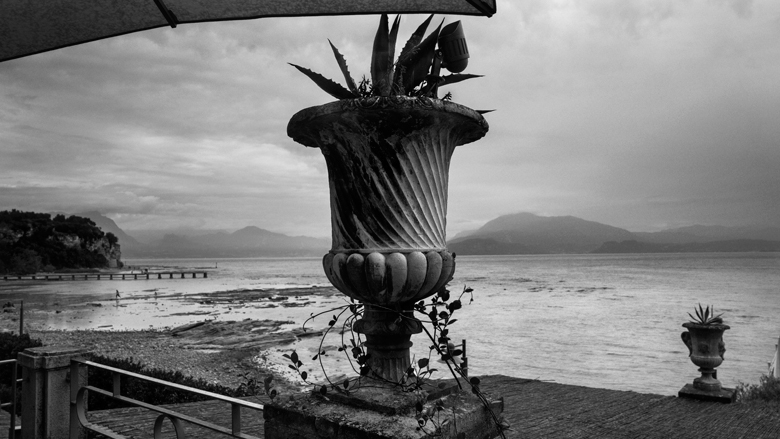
point(537, 409)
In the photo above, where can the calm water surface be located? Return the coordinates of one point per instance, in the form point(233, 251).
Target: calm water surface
point(611, 321)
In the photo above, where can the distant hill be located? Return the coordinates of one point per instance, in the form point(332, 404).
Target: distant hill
point(107, 225)
point(735, 245)
point(699, 233)
point(247, 242)
point(244, 243)
point(524, 233)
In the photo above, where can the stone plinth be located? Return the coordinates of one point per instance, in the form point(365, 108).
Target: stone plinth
point(723, 395)
point(379, 412)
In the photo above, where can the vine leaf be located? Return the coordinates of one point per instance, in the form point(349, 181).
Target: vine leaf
point(344, 69)
point(332, 88)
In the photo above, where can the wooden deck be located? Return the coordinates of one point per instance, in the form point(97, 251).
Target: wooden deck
point(535, 409)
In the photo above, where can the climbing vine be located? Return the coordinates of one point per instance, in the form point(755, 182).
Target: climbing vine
point(438, 314)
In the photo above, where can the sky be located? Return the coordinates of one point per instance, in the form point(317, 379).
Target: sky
point(644, 115)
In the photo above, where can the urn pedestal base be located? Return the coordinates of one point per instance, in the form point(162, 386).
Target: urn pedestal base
point(378, 411)
point(724, 395)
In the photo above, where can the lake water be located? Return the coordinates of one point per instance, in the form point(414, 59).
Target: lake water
point(610, 321)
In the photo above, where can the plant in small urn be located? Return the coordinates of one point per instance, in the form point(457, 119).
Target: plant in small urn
point(704, 340)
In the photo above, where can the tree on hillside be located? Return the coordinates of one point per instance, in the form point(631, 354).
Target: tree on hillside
point(30, 241)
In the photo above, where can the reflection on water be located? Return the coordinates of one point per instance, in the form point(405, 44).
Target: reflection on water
point(611, 321)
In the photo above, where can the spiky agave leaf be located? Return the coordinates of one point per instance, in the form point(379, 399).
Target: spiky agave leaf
point(415, 39)
point(380, 64)
point(332, 88)
point(417, 63)
point(391, 39)
point(456, 77)
point(344, 69)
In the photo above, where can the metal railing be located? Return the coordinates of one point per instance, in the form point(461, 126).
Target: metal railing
point(78, 410)
point(774, 365)
point(13, 430)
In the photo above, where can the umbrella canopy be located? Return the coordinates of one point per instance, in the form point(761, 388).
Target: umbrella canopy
point(33, 26)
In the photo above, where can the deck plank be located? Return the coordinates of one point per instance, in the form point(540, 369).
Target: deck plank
point(535, 409)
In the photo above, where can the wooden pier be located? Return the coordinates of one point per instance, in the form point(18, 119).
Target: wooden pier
point(535, 409)
point(110, 276)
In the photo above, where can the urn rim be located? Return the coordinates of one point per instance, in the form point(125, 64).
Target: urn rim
point(405, 105)
point(711, 327)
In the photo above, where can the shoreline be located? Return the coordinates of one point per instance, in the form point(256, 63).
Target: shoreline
point(224, 353)
point(224, 337)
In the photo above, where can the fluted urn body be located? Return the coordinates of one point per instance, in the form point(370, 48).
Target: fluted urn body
point(388, 164)
point(706, 348)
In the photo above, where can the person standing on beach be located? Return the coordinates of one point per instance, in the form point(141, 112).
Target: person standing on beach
point(117, 294)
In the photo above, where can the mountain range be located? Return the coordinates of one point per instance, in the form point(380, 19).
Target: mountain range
point(526, 233)
point(247, 242)
point(519, 233)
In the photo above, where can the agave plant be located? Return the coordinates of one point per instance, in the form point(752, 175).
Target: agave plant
point(410, 75)
point(705, 317)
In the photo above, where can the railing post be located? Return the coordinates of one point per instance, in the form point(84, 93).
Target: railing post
point(80, 372)
point(46, 391)
point(235, 411)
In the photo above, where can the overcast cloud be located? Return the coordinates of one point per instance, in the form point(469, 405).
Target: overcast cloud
point(638, 114)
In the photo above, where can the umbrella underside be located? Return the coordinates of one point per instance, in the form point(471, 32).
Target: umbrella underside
point(33, 26)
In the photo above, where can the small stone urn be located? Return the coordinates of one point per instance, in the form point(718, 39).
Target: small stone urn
point(388, 161)
point(706, 349)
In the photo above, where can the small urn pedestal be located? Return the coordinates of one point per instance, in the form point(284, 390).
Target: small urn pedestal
point(388, 168)
point(706, 348)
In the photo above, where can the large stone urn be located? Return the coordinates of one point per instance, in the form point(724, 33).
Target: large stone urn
point(388, 160)
point(706, 348)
